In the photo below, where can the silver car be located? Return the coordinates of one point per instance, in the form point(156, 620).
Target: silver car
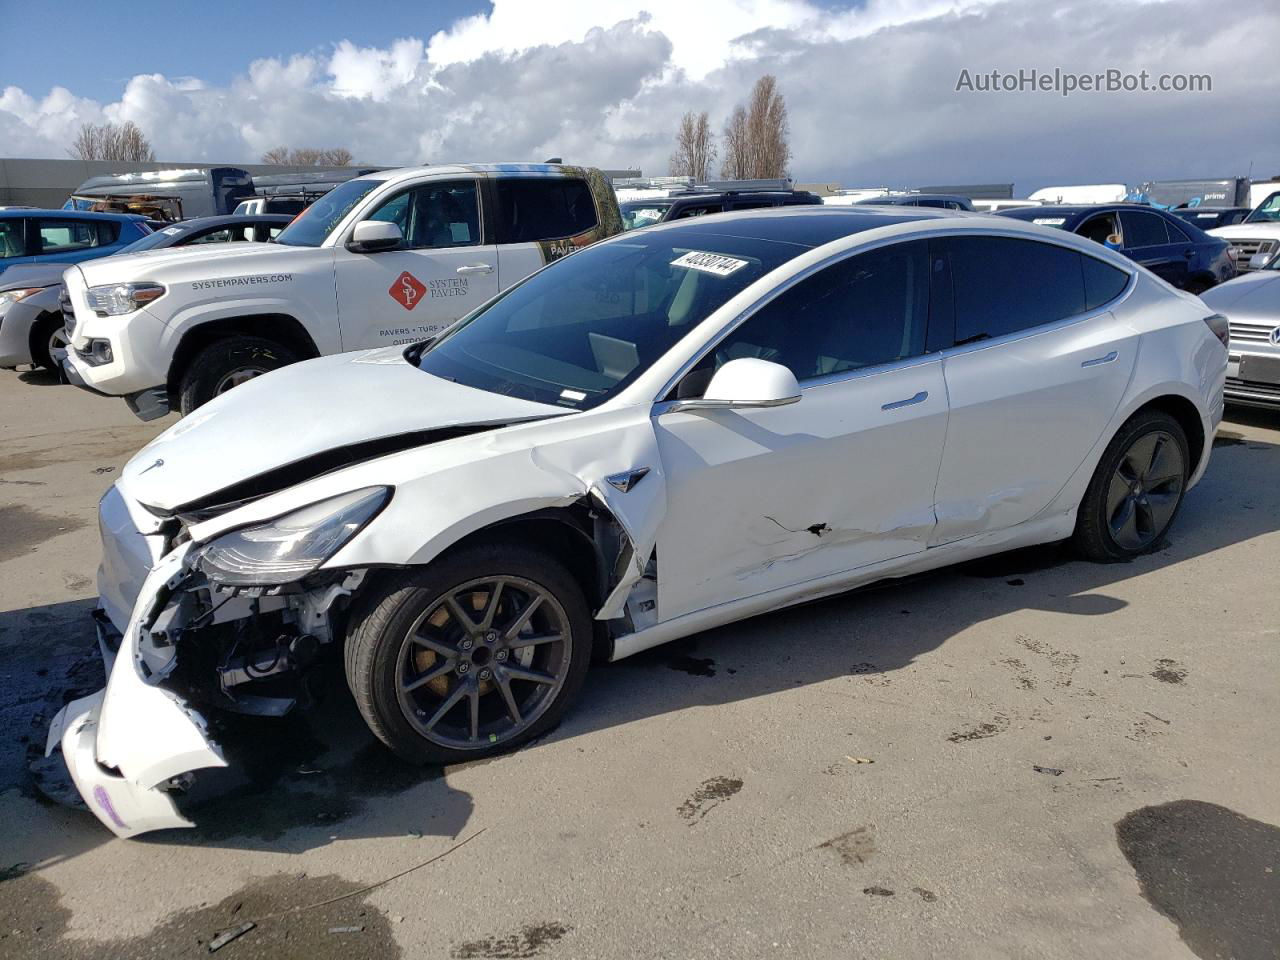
point(30, 317)
point(1252, 305)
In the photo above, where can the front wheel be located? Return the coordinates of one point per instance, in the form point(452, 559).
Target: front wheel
point(48, 342)
point(480, 651)
point(1136, 490)
point(226, 364)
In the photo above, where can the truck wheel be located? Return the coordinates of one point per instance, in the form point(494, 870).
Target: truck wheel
point(227, 364)
point(478, 652)
point(48, 342)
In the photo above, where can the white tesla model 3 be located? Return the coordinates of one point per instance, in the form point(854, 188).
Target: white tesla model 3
point(671, 430)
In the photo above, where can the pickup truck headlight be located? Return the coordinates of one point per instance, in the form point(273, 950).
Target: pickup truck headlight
point(290, 547)
point(117, 299)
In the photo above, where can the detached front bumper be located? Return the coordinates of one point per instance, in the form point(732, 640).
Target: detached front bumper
point(128, 746)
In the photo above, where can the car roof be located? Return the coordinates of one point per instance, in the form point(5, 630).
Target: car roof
point(804, 225)
point(910, 198)
point(462, 169)
point(70, 214)
point(1072, 209)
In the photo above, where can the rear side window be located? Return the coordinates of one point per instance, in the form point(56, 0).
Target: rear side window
point(1102, 282)
point(1142, 229)
point(1001, 285)
point(64, 236)
point(1176, 233)
point(867, 310)
point(543, 208)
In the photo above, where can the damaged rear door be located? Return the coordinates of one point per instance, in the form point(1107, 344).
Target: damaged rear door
point(763, 499)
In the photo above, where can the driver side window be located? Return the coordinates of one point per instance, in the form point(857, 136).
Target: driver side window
point(867, 310)
point(435, 216)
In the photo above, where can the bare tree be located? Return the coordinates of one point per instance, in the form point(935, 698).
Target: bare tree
point(309, 156)
point(736, 148)
point(110, 141)
point(695, 147)
point(756, 136)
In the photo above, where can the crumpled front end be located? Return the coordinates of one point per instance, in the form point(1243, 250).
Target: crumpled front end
point(130, 746)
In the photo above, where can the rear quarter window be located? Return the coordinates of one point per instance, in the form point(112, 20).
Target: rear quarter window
point(531, 209)
point(1102, 282)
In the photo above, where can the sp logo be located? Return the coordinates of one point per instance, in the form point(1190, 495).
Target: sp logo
point(407, 290)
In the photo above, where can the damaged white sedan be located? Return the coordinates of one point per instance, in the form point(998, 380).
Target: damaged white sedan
point(665, 432)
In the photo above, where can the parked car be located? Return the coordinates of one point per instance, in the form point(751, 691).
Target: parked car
point(944, 201)
point(647, 439)
point(1256, 240)
point(1252, 305)
point(1169, 247)
point(392, 257)
point(699, 202)
point(31, 321)
point(1207, 218)
point(60, 236)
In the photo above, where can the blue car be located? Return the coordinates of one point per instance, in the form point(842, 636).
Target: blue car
point(1171, 248)
point(65, 236)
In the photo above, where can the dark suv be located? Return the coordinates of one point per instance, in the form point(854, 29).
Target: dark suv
point(1168, 246)
point(642, 213)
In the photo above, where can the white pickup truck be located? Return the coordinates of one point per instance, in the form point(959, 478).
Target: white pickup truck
point(391, 257)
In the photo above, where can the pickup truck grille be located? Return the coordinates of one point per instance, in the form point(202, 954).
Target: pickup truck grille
point(1251, 332)
point(68, 312)
point(1247, 249)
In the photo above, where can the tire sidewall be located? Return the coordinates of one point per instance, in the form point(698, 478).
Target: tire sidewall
point(377, 633)
point(215, 361)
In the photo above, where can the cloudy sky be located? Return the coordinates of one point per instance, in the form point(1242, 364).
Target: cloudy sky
point(870, 85)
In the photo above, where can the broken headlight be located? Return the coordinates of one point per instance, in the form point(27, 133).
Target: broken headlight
point(117, 299)
point(290, 547)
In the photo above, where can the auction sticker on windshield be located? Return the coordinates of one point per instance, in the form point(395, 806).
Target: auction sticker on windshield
point(715, 263)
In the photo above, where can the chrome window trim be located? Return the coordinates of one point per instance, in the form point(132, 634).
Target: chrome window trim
point(748, 312)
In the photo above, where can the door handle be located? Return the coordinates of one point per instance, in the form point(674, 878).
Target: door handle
point(1100, 360)
point(920, 397)
point(471, 268)
point(1189, 253)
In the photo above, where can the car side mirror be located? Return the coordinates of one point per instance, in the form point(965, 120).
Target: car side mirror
point(374, 236)
point(745, 383)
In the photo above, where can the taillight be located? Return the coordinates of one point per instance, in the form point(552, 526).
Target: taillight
point(1218, 324)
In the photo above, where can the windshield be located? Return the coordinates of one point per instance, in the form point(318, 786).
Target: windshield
point(1268, 211)
point(641, 213)
point(161, 238)
point(579, 331)
point(313, 224)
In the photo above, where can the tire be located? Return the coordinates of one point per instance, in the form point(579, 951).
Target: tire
point(227, 363)
point(403, 687)
point(44, 332)
point(1136, 491)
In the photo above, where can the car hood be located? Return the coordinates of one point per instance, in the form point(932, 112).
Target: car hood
point(1256, 293)
point(1244, 231)
point(307, 419)
point(132, 266)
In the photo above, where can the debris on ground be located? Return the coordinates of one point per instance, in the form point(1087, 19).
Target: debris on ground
point(1052, 771)
point(359, 929)
point(222, 939)
point(858, 759)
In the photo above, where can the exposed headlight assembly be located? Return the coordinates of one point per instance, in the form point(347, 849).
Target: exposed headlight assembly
point(290, 547)
point(117, 299)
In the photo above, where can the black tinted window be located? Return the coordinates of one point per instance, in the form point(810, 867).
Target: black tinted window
point(1142, 229)
point(543, 208)
point(867, 310)
point(12, 239)
point(1176, 233)
point(1102, 282)
point(1002, 285)
point(698, 210)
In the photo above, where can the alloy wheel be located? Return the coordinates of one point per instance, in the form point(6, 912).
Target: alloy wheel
point(1145, 490)
point(237, 377)
point(483, 663)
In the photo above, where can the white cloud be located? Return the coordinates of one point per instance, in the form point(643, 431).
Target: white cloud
point(871, 90)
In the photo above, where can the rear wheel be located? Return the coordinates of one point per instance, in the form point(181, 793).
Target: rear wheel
point(226, 364)
point(474, 654)
point(1136, 490)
